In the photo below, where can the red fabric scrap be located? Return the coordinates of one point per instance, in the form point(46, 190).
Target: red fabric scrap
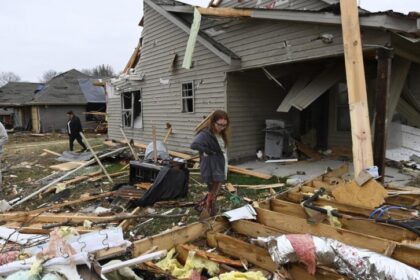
point(304, 247)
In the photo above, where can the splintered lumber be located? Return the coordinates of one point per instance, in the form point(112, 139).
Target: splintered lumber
point(52, 152)
point(232, 168)
point(136, 157)
point(240, 249)
point(364, 226)
point(355, 73)
point(225, 12)
point(260, 187)
point(126, 223)
point(292, 224)
point(168, 133)
point(65, 176)
point(96, 157)
point(112, 175)
point(244, 171)
point(261, 258)
point(204, 123)
point(256, 230)
point(370, 196)
point(346, 208)
point(185, 248)
point(50, 218)
point(66, 166)
point(307, 151)
point(178, 235)
point(73, 202)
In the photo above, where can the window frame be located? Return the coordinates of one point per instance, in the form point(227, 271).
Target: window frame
point(131, 110)
point(192, 97)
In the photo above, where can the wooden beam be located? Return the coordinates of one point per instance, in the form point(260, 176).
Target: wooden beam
point(355, 73)
point(225, 12)
point(96, 157)
point(231, 168)
point(52, 152)
point(292, 224)
point(50, 218)
point(346, 208)
point(261, 258)
point(368, 227)
point(256, 230)
point(178, 235)
point(136, 157)
point(384, 58)
point(73, 202)
point(240, 249)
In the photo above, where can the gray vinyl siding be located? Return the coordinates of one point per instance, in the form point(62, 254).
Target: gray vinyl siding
point(162, 103)
point(54, 118)
point(290, 4)
point(251, 99)
point(264, 42)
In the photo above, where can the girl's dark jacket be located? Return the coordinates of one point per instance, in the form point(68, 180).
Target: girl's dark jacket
point(212, 161)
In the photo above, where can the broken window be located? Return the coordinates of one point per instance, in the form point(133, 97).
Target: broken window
point(132, 115)
point(188, 97)
point(343, 111)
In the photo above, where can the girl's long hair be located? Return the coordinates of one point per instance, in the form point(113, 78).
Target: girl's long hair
point(217, 115)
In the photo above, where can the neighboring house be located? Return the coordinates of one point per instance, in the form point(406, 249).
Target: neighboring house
point(71, 90)
point(14, 109)
point(281, 59)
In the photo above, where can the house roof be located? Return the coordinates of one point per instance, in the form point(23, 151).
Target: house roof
point(18, 93)
point(71, 87)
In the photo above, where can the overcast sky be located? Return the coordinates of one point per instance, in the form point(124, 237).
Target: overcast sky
point(37, 36)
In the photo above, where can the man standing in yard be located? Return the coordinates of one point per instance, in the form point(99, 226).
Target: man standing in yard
point(3, 140)
point(74, 127)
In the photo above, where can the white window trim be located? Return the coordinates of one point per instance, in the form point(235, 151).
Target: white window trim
point(188, 97)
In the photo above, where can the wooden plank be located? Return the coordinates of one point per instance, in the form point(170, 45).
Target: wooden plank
point(168, 240)
point(49, 218)
point(232, 168)
point(355, 73)
point(67, 166)
point(261, 258)
point(345, 208)
point(96, 157)
point(240, 249)
point(224, 12)
point(293, 224)
point(36, 123)
point(73, 202)
point(385, 231)
point(126, 223)
point(52, 152)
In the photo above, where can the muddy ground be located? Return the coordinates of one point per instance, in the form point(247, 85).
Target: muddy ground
point(25, 163)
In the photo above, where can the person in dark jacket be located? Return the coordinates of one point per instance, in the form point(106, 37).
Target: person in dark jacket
point(74, 127)
point(211, 143)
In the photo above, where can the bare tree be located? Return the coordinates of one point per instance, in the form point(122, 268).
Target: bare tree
point(102, 71)
point(6, 77)
point(48, 75)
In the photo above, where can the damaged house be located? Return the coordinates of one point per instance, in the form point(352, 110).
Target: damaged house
point(15, 112)
point(259, 61)
point(42, 107)
point(71, 90)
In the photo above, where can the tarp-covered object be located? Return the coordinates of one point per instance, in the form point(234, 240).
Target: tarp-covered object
point(170, 183)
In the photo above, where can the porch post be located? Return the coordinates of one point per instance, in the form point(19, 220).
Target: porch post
point(355, 73)
point(384, 57)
